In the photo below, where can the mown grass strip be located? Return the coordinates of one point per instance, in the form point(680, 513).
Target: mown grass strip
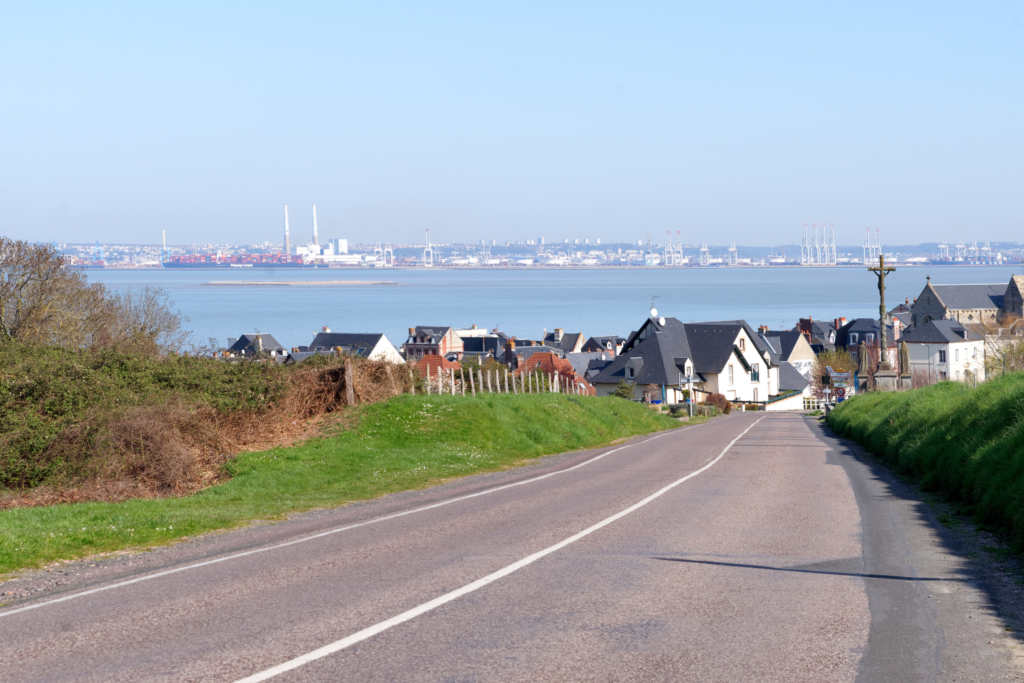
point(406, 443)
point(964, 442)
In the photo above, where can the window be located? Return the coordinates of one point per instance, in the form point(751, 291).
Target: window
point(743, 344)
point(853, 337)
point(730, 375)
point(755, 373)
point(869, 337)
point(927, 319)
point(956, 354)
point(755, 395)
point(975, 352)
point(631, 372)
point(942, 356)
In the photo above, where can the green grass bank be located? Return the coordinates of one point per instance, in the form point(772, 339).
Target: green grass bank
point(408, 442)
point(966, 443)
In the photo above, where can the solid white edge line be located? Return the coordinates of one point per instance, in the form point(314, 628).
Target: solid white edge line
point(157, 575)
point(476, 585)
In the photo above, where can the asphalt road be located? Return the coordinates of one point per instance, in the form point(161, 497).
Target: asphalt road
point(751, 548)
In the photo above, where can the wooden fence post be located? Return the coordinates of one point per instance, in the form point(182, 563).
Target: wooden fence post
point(462, 380)
point(472, 384)
point(350, 391)
point(428, 380)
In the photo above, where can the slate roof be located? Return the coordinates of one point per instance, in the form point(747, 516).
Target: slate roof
point(664, 352)
point(434, 334)
point(790, 378)
point(567, 343)
point(492, 344)
point(354, 344)
point(939, 332)
point(783, 341)
point(861, 326)
point(581, 361)
point(247, 344)
point(959, 297)
point(601, 343)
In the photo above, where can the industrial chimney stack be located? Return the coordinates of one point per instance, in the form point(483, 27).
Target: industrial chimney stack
point(315, 240)
point(287, 239)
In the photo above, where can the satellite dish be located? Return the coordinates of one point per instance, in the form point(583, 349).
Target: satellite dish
point(654, 312)
point(661, 321)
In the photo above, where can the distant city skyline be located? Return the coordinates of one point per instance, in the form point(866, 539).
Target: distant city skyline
point(600, 121)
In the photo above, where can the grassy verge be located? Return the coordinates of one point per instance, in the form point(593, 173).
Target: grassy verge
point(406, 443)
point(966, 443)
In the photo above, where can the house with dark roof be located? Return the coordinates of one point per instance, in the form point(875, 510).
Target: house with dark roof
point(568, 343)
point(371, 345)
point(256, 344)
point(794, 354)
point(850, 335)
point(441, 340)
point(721, 357)
point(969, 304)
point(945, 349)
point(581, 361)
point(821, 334)
point(605, 344)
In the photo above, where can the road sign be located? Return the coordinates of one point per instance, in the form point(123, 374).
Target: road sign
point(841, 393)
point(840, 375)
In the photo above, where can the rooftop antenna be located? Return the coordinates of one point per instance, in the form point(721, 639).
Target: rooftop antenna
point(315, 240)
point(287, 239)
point(654, 311)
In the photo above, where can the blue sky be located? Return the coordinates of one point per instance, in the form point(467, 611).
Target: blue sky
point(730, 122)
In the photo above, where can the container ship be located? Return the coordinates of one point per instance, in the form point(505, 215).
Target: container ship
point(237, 261)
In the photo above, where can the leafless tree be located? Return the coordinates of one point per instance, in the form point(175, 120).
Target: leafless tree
point(43, 301)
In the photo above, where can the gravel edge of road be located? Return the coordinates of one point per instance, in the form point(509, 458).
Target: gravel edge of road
point(985, 585)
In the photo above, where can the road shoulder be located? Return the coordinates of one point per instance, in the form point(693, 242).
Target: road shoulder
point(958, 619)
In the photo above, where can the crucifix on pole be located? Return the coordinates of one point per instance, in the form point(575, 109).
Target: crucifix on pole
point(881, 271)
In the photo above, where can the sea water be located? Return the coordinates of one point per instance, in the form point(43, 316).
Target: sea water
point(525, 302)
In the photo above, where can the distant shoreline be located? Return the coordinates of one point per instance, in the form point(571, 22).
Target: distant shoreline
point(294, 283)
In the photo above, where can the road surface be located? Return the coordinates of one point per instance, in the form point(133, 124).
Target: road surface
point(750, 548)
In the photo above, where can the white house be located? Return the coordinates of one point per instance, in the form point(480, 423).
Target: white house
point(722, 357)
point(373, 346)
point(945, 349)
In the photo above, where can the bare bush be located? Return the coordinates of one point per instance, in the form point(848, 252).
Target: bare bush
point(44, 302)
point(41, 301)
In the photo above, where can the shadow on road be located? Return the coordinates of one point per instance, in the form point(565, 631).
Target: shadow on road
point(805, 571)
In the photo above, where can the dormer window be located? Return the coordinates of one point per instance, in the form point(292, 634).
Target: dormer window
point(853, 337)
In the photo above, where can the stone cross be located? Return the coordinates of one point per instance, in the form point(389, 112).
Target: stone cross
point(881, 271)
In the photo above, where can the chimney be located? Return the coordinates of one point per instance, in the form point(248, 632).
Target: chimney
point(896, 328)
point(763, 329)
point(474, 326)
point(327, 329)
point(558, 334)
point(412, 331)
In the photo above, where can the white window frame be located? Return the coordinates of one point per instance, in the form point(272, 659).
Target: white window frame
point(731, 375)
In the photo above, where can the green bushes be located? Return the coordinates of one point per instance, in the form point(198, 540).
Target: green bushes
point(965, 442)
point(64, 413)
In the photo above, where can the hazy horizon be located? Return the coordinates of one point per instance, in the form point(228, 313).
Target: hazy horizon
point(735, 124)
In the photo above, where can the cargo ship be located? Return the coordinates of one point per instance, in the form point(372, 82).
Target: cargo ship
point(236, 261)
